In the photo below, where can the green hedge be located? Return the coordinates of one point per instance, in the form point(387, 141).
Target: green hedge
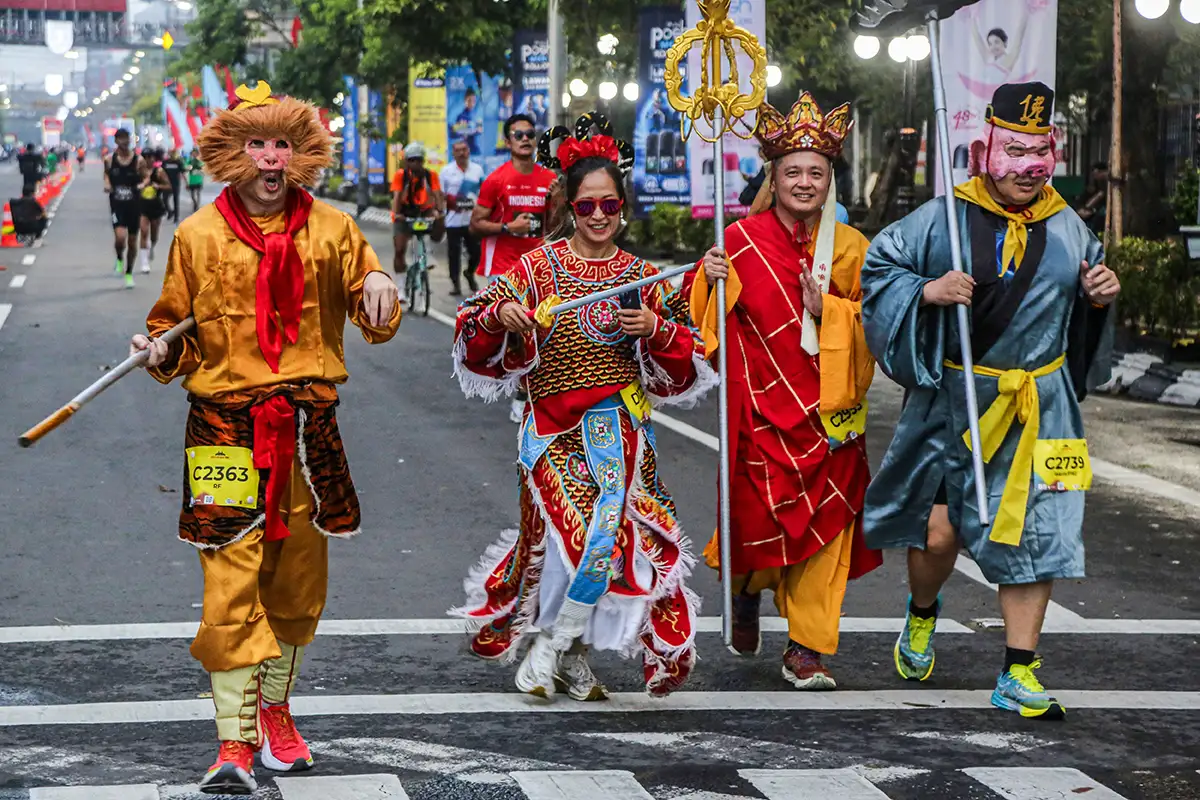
point(670, 231)
point(1160, 289)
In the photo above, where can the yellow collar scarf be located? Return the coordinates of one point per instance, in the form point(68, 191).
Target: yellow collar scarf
point(1017, 237)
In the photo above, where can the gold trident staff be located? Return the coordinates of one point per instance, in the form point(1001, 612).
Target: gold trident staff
point(721, 103)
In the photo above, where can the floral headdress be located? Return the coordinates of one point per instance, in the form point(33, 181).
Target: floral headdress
point(584, 144)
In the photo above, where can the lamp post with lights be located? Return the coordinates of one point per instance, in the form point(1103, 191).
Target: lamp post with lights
point(1150, 9)
point(908, 50)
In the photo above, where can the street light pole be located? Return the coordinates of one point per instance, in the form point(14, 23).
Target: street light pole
point(557, 45)
point(1116, 171)
point(364, 141)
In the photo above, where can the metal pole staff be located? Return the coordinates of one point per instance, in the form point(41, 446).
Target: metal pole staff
point(956, 256)
point(723, 525)
point(90, 393)
point(721, 102)
point(552, 305)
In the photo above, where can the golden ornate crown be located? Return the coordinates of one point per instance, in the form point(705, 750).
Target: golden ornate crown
point(804, 128)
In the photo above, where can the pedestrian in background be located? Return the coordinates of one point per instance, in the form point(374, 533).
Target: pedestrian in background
point(461, 182)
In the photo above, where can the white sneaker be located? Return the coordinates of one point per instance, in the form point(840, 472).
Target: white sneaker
point(517, 412)
point(575, 677)
point(145, 267)
point(535, 676)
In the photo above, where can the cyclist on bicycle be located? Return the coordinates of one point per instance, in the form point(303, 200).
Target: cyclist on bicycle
point(416, 192)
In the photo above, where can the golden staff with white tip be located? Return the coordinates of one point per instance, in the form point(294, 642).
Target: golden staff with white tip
point(721, 103)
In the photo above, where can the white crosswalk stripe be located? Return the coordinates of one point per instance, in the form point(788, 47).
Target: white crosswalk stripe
point(1002, 783)
point(1034, 783)
point(141, 791)
point(793, 784)
point(354, 787)
point(611, 785)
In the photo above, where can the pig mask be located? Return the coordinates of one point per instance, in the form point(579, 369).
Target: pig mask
point(1021, 154)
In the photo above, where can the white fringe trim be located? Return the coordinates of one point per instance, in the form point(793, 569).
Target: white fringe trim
point(668, 581)
point(526, 608)
point(483, 386)
point(654, 376)
point(473, 584)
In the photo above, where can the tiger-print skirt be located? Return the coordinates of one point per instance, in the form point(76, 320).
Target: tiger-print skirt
point(335, 509)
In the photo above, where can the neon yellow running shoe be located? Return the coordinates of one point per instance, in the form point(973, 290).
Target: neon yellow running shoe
point(1019, 690)
point(914, 649)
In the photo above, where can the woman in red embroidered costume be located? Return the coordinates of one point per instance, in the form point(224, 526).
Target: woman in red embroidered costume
point(270, 275)
point(599, 560)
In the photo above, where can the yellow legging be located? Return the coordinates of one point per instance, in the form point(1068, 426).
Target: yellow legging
point(808, 594)
point(257, 592)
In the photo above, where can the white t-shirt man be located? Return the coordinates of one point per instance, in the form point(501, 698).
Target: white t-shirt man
point(463, 185)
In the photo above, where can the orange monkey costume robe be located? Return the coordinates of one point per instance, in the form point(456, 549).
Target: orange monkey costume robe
point(796, 493)
point(270, 297)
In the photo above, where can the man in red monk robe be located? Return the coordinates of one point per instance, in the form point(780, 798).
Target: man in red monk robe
point(799, 370)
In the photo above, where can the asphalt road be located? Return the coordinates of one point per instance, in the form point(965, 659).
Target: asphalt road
point(97, 687)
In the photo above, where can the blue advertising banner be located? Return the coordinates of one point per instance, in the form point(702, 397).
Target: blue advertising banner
point(465, 110)
point(377, 151)
point(497, 93)
point(531, 75)
point(477, 106)
point(660, 165)
point(350, 131)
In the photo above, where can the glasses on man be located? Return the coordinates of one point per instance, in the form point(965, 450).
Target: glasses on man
point(610, 206)
point(522, 135)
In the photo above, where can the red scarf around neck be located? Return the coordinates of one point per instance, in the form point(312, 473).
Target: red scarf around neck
point(279, 288)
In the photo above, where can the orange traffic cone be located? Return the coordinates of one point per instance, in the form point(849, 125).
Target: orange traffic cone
point(8, 234)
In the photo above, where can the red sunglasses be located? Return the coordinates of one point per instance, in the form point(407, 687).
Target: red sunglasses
point(611, 206)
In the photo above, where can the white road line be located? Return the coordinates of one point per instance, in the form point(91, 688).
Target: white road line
point(1029, 783)
point(1056, 614)
point(460, 704)
point(386, 627)
point(598, 785)
point(1134, 480)
point(805, 784)
point(28, 260)
point(17, 282)
point(453, 627)
point(141, 791)
point(356, 787)
point(5, 308)
point(445, 319)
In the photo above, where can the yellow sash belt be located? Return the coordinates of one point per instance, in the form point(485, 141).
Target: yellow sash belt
point(1018, 399)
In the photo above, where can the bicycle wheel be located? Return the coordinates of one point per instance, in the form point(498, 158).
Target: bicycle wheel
point(410, 287)
point(425, 289)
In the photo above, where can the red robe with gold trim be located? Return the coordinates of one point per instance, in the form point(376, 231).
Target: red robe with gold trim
point(790, 493)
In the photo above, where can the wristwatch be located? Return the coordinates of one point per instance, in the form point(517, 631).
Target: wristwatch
point(504, 228)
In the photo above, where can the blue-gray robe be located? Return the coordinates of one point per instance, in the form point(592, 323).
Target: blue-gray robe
point(911, 342)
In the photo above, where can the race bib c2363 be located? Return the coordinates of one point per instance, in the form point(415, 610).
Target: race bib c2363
point(846, 425)
point(1062, 465)
point(222, 476)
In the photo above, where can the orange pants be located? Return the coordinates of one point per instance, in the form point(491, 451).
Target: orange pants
point(257, 592)
point(808, 595)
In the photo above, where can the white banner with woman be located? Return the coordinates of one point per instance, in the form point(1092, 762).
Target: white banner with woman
point(987, 44)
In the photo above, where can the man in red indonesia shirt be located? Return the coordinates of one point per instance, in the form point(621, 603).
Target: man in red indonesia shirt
point(510, 215)
point(511, 211)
